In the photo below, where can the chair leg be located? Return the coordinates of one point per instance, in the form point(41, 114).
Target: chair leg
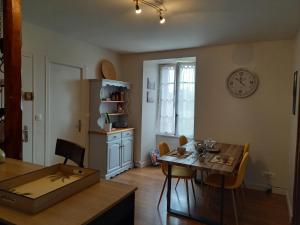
point(162, 191)
point(177, 183)
point(234, 207)
point(243, 190)
point(193, 190)
point(187, 195)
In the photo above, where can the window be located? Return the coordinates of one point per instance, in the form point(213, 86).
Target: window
point(177, 99)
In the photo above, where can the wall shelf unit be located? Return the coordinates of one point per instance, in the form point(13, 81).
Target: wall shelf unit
point(110, 152)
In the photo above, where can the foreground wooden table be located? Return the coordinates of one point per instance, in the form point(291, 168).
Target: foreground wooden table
point(192, 161)
point(107, 203)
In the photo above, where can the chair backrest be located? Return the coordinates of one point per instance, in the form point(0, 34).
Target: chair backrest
point(246, 148)
point(242, 170)
point(182, 140)
point(70, 151)
point(163, 150)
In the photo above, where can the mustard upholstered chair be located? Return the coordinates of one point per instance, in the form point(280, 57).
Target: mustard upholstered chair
point(231, 182)
point(177, 172)
point(246, 148)
point(182, 140)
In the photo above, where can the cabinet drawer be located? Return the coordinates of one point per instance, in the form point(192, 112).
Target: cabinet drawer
point(113, 137)
point(126, 134)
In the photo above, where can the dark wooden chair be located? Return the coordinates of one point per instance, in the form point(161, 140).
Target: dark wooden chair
point(70, 151)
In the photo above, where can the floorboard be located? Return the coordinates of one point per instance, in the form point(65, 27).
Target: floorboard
point(258, 209)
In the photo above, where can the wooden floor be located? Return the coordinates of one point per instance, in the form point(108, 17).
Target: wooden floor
point(258, 209)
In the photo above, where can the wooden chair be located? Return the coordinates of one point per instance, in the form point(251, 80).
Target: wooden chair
point(177, 172)
point(70, 151)
point(231, 182)
point(183, 140)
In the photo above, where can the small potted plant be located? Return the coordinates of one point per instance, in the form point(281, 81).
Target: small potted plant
point(107, 124)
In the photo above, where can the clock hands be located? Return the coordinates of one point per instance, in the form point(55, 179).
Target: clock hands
point(240, 81)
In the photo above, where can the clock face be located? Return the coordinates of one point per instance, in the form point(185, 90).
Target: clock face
point(242, 83)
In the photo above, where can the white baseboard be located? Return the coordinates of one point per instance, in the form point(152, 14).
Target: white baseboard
point(262, 187)
point(142, 164)
point(290, 207)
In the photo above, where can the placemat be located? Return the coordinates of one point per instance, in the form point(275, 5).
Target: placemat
point(223, 159)
point(175, 154)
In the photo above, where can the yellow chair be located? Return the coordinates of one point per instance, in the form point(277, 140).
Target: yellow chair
point(182, 140)
point(246, 148)
point(177, 172)
point(231, 182)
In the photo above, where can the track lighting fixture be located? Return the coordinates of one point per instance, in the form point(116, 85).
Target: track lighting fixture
point(158, 7)
point(138, 10)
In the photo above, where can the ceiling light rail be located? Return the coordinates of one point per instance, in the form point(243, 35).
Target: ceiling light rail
point(158, 7)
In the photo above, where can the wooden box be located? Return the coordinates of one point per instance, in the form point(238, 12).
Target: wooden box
point(38, 190)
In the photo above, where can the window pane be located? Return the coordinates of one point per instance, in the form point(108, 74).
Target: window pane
point(186, 100)
point(167, 99)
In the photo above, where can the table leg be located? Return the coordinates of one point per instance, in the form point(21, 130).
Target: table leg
point(222, 199)
point(169, 188)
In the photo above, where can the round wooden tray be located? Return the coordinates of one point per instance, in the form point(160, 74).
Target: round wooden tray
point(108, 70)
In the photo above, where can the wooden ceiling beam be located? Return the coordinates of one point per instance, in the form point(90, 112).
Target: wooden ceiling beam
point(12, 23)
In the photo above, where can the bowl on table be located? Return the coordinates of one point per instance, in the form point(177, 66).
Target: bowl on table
point(181, 150)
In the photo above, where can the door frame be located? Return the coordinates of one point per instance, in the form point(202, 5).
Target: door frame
point(296, 194)
point(30, 55)
point(48, 61)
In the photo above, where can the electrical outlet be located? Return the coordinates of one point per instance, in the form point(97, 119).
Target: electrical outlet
point(268, 174)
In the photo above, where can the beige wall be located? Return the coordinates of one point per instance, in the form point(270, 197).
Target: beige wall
point(148, 137)
point(262, 119)
point(293, 123)
point(45, 44)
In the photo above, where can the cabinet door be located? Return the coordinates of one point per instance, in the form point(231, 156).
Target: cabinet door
point(114, 155)
point(127, 151)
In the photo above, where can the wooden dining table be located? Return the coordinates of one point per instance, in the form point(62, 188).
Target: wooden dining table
point(207, 163)
point(105, 202)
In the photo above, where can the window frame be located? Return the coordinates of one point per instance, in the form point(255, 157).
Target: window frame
point(176, 88)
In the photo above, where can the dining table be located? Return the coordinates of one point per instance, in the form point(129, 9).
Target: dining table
point(209, 163)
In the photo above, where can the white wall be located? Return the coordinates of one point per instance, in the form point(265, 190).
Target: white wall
point(148, 133)
point(45, 44)
point(293, 123)
point(262, 119)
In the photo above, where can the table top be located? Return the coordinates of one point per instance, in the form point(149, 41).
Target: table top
point(80, 208)
point(192, 160)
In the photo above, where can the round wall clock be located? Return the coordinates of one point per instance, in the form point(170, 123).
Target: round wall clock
point(242, 83)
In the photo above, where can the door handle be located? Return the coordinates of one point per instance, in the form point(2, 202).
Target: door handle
point(25, 134)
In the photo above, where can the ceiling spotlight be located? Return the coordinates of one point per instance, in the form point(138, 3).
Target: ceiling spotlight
point(138, 10)
point(162, 19)
point(158, 7)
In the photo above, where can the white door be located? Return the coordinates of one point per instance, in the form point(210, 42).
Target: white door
point(27, 108)
point(64, 107)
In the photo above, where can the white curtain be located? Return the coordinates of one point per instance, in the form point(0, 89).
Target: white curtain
point(186, 100)
point(167, 100)
point(177, 97)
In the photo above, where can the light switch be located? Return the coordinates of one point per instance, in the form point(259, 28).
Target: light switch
point(38, 117)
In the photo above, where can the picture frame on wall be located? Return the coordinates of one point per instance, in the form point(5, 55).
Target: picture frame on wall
point(150, 84)
point(295, 87)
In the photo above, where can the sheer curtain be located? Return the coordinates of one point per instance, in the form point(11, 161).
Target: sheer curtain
point(186, 100)
point(167, 99)
point(177, 99)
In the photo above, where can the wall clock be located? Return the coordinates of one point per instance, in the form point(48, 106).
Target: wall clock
point(242, 83)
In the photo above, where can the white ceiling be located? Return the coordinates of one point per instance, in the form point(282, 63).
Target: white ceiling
point(113, 24)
